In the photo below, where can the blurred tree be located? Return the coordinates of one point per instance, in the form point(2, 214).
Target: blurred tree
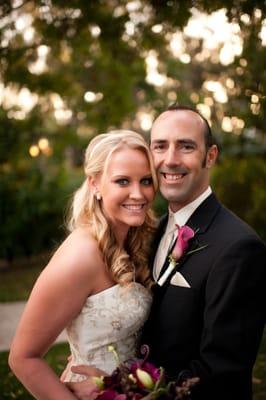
point(244, 192)
point(93, 65)
point(71, 69)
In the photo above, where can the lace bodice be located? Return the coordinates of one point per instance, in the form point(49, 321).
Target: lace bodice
point(113, 316)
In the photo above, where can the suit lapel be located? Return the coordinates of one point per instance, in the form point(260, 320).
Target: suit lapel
point(199, 222)
point(204, 215)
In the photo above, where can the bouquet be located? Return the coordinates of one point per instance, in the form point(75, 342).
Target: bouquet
point(138, 379)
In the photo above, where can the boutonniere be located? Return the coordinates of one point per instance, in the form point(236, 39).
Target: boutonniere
point(185, 233)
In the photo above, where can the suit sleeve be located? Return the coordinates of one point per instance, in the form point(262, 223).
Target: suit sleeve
point(233, 322)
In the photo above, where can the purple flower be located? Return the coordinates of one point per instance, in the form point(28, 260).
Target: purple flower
point(110, 394)
point(145, 373)
point(185, 233)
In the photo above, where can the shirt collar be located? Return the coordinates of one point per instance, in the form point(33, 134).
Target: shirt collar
point(182, 216)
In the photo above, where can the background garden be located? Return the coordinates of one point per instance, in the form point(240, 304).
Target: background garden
point(75, 68)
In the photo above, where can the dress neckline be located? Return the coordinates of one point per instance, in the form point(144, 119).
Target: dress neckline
point(112, 288)
point(109, 289)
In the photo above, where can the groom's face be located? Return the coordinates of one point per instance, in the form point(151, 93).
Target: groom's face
point(180, 156)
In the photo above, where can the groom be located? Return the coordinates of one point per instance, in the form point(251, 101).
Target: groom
point(207, 319)
point(208, 316)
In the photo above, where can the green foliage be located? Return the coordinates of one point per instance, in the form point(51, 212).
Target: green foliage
point(240, 185)
point(32, 211)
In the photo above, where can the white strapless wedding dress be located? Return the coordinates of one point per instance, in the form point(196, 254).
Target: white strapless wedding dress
point(111, 317)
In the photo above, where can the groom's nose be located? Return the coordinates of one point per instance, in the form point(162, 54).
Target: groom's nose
point(172, 157)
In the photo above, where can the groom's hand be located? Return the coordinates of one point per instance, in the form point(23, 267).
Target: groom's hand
point(86, 389)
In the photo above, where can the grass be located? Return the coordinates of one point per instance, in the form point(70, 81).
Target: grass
point(16, 283)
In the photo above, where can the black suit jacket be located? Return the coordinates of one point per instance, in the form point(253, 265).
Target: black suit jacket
point(212, 329)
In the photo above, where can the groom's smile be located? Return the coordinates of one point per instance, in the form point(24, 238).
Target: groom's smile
point(173, 177)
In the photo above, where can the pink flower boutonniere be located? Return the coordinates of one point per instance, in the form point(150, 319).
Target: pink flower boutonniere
point(185, 233)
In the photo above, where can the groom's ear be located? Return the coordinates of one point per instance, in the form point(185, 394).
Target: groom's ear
point(211, 157)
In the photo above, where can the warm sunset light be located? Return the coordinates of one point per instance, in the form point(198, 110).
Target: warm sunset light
point(34, 151)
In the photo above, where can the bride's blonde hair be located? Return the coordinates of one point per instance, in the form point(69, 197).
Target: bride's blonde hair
point(131, 262)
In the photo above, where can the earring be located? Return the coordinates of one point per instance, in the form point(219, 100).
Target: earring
point(98, 196)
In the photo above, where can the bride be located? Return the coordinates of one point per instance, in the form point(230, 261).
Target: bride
point(97, 282)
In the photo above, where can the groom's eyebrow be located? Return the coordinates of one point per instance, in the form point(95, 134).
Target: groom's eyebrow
point(186, 141)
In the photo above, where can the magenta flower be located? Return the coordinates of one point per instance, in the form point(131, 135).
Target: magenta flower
point(151, 373)
point(185, 233)
point(110, 394)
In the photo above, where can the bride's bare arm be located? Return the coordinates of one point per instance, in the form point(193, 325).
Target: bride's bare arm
point(56, 299)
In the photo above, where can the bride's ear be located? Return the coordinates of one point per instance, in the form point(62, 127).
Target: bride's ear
point(93, 185)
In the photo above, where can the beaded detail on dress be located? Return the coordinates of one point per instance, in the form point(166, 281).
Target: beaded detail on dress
point(111, 317)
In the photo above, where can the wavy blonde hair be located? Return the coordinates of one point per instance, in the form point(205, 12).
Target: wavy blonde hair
point(131, 262)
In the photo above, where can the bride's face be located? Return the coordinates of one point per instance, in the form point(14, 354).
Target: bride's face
point(126, 189)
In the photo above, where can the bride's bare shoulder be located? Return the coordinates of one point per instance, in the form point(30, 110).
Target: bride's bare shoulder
point(79, 250)
point(81, 237)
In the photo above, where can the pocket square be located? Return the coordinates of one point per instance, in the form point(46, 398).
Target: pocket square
point(179, 280)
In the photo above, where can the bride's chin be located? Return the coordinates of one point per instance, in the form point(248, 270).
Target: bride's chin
point(137, 222)
point(136, 225)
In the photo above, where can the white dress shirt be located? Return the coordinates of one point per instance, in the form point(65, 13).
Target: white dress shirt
point(178, 218)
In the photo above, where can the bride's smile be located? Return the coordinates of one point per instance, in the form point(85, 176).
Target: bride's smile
point(134, 207)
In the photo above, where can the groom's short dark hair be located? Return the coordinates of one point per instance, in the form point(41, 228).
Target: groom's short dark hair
point(208, 136)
